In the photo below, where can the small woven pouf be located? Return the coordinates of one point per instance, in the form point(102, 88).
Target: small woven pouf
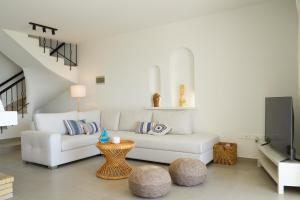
point(188, 171)
point(149, 181)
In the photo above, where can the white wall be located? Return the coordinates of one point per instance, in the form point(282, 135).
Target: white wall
point(7, 68)
point(240, 57)
point(182, 72)
point(61, 103)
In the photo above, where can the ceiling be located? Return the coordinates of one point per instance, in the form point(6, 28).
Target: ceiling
point(81, 20)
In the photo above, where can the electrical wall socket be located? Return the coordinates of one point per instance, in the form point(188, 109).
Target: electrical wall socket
point(100, 80)
point(254, 138)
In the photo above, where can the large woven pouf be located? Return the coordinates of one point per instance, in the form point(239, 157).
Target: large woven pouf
point(149, 181)
point(188, 171)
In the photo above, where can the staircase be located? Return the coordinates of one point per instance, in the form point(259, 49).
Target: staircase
point(32, 53)
point(45, 77)
point(59, 49)
point(13, 95)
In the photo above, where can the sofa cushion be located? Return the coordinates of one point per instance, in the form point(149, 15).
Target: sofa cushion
point(74, 127)
point(74, 142)
point(129, 119)
point(90, 116)
point(160, 129)
point(90, 128)
point(110, 120)
point(53, 122)
point(144, 127)
point(179, 121)
point(193, 143)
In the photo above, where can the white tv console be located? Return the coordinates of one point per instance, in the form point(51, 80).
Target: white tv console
point(284, 172)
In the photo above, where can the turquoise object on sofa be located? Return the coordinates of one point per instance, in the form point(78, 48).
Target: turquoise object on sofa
point(104, 136)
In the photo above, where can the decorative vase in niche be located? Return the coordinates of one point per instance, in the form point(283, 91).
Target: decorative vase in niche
point(104, 136)
point(182, 100)
point(156, 100)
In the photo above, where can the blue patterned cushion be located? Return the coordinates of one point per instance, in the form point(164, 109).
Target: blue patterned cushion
point(74, 127)
point(90, 128)
point(160, 129)
point(144, 127)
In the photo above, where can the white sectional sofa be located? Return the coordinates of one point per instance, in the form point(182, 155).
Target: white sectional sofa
point(48, 144)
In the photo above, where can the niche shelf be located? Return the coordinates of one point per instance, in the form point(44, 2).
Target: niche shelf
point(154, 81)
point(182, 72)
point(170, 108)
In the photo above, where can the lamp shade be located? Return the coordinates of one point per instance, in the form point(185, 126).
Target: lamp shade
point(78, 91)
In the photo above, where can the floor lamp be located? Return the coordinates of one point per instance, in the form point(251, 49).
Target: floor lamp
point(78, 91)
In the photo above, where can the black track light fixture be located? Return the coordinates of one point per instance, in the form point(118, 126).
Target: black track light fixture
point(44, 28)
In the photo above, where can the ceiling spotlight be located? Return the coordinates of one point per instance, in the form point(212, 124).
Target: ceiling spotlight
point(44, 28)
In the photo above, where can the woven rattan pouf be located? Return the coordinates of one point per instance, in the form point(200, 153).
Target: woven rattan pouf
point(149, 181)
point(187, 171)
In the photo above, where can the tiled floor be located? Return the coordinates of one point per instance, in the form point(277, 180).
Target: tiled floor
point(78, 181)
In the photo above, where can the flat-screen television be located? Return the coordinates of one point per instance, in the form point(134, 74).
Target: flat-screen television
point(279, 125)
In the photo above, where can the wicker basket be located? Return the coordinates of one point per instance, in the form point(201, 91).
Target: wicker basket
point(225, 153)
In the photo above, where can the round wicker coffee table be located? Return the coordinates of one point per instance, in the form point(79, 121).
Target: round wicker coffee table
point(115, 166)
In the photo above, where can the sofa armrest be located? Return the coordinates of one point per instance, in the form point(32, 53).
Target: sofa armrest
point(41, 147)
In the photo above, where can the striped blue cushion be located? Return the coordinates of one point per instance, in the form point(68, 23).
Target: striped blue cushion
point(74, 127)
point(90, 128)
point(144, 127)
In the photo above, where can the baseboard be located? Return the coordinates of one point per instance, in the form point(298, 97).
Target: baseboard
point(249, 159)
point(10, 140)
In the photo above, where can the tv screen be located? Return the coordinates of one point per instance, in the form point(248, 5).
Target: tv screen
point(279, 124)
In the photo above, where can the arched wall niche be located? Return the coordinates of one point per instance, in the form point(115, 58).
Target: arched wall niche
point(154, 81)
point(182, 72)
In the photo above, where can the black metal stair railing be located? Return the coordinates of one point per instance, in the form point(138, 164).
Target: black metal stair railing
point(13, 94)
point(61, 50)
point(58, 49)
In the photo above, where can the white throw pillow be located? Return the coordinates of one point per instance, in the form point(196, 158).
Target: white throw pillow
point(110, 120)
point(53, 122)
point(130, 119)
point(179, 121)
point(90, 116)
point(160, 129)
